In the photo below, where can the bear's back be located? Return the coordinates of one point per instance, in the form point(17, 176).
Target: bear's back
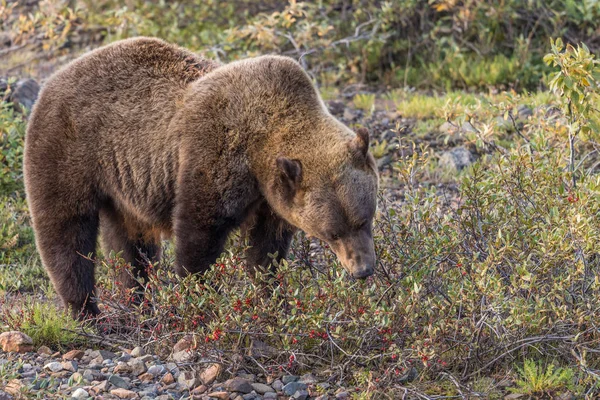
point(103, 120)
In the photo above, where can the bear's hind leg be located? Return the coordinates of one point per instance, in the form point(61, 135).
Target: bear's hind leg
point(137, 243)
point(67, 247)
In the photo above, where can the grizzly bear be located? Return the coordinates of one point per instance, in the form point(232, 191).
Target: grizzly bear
point(142, 139)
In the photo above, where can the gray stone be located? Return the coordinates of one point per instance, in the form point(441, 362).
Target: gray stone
point(106, 355)
point(277, 385)
point(270, 396)
point(157, 370)
point(448, 128)
point(300, 394)
point(54, 366)
point(468, 127)
point(456, 159)
point(80, 394)
point(70, 366)
point(289, 378)
point(119, 382)
point(138, 352)
point(138, 367)
point(238, 385)
point(93, 375)
point(261, 388)
point(309, 379)
point(342, 395)
point(182, 356)
point(293, 387)
point(187, 379)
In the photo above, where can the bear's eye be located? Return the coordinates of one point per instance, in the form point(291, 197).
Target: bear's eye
point(334, 237)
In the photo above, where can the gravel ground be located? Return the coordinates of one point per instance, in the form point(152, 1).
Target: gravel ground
point(133, 374)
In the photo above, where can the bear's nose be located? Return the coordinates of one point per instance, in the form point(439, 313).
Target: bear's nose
point(363, 273)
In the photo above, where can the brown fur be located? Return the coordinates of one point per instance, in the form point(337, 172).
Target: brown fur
point(141, 137)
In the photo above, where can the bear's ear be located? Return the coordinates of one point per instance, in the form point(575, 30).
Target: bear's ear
point(360, 144)
point(290, 173)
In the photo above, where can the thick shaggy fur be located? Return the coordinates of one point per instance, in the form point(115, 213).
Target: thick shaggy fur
point(142, 139)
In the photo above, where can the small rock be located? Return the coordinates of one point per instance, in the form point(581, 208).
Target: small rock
point(124, 357)
point(210, 373)
point(238, 385)
point(15, 341)
point(54, 366)
point(309, 379)
point(199, 390)
point(156, 370)
point(168, 379)
point(138, 367)
point(187, 379)
point(270, 396)
point(322, 397)
point(14, 387)
point(249, 377)
point(93, 375)
point(185, 343)
point(70, 366)
point(514, 396)
point(100, 388)
point(293, 387)
point(219, 395)
point(106, 355)
point(73, 355)
point(342, 395)
point(146, 377)
point(77, 377)
point(289, 378)
point(122, 368)
point(118, 381)
point(300, 394)
point(80, 394)
point(261, 388)
point(182, 356)
point(138, 352)
point(124, 393)
point(456, 159)
point(44, 350)
point(277, 385)
point(146, 358)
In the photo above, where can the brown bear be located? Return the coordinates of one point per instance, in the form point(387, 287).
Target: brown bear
point(142, 139)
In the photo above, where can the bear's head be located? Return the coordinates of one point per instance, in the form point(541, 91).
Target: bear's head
point(332, 195)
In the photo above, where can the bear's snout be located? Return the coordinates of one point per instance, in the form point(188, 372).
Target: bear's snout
point(363, 273)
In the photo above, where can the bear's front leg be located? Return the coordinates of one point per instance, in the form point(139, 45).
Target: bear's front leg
point(267, 234)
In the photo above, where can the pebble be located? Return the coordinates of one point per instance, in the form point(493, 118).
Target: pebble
point(138, 367)
point(187, 379)
point(124, 393)
point(118, 381)
point(277, 385)
point(70, 366)
point(300, 394)
point(210, 373)
point(44, 350)
point(238, 385)
point(73, 355)
point(270, 396)
point(289, 378)
point(15, 341)
point(168, 379)
point(219, 395)
point(138, 352)
point(293, 387)
point(261, 388)
point(54, 366)
point(80, 393)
